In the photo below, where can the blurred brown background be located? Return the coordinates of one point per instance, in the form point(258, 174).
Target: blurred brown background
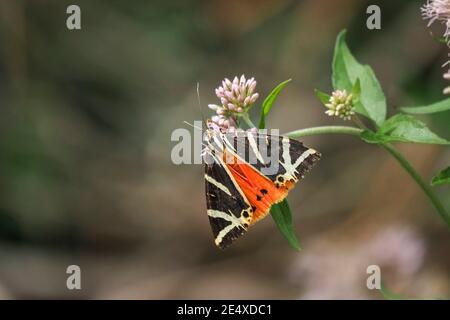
point(85, 170)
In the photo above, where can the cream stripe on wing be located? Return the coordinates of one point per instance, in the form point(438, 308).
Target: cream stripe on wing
point(304, 155)
point(235, 222)
point(227, 142)
point(218, 142)
point(286, 163)
point(218, 184)
point(291, 168)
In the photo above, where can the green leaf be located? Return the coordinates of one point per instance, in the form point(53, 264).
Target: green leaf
point(370, 137)
point(356, 90)
point(406, 128)
point(443, 177)
point(323, 97)
point(346, 72)
point(440, 106)
point(403, 128)
point(281, 214)
point(268, 102)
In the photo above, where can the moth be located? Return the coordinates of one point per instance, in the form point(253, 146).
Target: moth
point(245, 174)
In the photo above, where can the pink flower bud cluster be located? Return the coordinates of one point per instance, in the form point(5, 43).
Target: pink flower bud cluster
point(236, 98)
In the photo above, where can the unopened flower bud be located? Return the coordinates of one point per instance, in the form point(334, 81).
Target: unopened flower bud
point(340, 105)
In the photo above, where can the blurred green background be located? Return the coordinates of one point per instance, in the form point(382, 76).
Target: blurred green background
point(86, 176)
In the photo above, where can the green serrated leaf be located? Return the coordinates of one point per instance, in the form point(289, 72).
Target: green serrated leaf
point(406, 128)
point(268, 102)
point(440, 106)
point(443, 177)
point(281, 214)
point(323, 97)
point(347, 70)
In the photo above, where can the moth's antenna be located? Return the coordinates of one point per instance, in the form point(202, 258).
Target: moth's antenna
point(200, 105)
point(195, 127)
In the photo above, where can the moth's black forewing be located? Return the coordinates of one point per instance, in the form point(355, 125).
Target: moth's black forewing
point(296, 149)
point(229, 203)
point(270, 149)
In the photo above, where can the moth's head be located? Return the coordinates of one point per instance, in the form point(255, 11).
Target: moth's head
point(212, 128)
point(210, 132)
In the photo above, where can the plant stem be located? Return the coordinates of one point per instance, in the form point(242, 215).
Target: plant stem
point(389, 148)
point(247, 120)
point(422, 184)
point(324, 130)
